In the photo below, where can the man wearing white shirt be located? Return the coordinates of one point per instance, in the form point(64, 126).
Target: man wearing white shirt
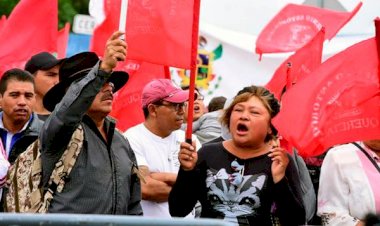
point(156, 143)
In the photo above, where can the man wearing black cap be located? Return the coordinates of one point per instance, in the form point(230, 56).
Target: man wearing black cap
point(44, 67)
point(103, 179)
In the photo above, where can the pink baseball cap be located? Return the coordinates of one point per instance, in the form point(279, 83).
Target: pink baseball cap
point(163, 89)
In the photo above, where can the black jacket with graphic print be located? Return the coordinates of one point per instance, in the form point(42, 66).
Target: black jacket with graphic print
point(237, 190)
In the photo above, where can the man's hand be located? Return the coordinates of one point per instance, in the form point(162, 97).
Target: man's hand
point(360, 223)
point(116, 50)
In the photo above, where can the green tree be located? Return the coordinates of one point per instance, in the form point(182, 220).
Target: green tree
point(6, 6)
point(67, 9)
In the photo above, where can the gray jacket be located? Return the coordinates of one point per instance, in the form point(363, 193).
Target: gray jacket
point(101, 181)
point(207, 127)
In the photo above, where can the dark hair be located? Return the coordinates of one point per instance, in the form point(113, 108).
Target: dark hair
point(188, 87)
point(372, 220)
point(266, 97)
point(146, 110)
point(14, 74)
point(216, 103)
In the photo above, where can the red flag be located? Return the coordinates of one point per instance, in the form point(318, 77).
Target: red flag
point(31, 28)
point(109, 25)
point(3, 20)
point(63, 39)
point(127, 108)
point(297, 66)
point(295, 25)
point(377, 26)
point(159, 32)
point(339, 102)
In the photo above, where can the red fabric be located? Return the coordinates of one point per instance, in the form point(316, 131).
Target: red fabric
point(302, 63)
point(158, 32)
point(295, 25)
point(104, 30)
point(337, 103)
point(63, 39)
point(193, 70)
point(3, 20)
point(377, 26)
point(30, 29)
point(127, 107)
point(279, 79)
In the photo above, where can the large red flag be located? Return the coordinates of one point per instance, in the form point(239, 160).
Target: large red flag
point(109, 25)
point(337, 103)
point(31, 28)
point(295, 25)
point(377, 26)
point(62, 41)
point(159, 32)
point(127, 108)
point(3, 20)
point(297, 66)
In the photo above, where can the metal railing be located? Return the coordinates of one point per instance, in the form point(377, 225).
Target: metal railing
point(13, 219)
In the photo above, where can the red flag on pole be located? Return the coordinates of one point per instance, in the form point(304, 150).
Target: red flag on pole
point(193, 69)
point(31, 28)
point(127, 107)
point(339, 102)
point(161, 31)
point(63, 39)
point(3, 20)
point(295, 25)
point(109, 25)
point(297, 66)
point(158, 32)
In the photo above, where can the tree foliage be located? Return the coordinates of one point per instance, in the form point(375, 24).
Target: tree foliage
point(67, 9)
point(6, 6)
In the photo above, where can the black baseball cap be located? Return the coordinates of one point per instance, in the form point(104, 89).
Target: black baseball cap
point(42, 61)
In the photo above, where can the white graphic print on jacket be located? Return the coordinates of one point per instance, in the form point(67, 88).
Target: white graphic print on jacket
point(234, 195)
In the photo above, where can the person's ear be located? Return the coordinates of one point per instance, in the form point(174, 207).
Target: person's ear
point(152, 109)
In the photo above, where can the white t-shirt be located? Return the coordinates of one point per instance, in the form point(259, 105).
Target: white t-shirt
point(160, 155)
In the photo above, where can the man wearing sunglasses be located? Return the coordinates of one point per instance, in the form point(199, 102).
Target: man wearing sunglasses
point(156, 143)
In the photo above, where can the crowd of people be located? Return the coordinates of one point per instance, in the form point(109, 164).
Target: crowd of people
point(234, 169)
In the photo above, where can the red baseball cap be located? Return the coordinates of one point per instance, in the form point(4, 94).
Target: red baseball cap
point(163, 89)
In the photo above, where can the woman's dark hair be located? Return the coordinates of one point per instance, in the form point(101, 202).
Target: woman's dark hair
point(372, 220)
